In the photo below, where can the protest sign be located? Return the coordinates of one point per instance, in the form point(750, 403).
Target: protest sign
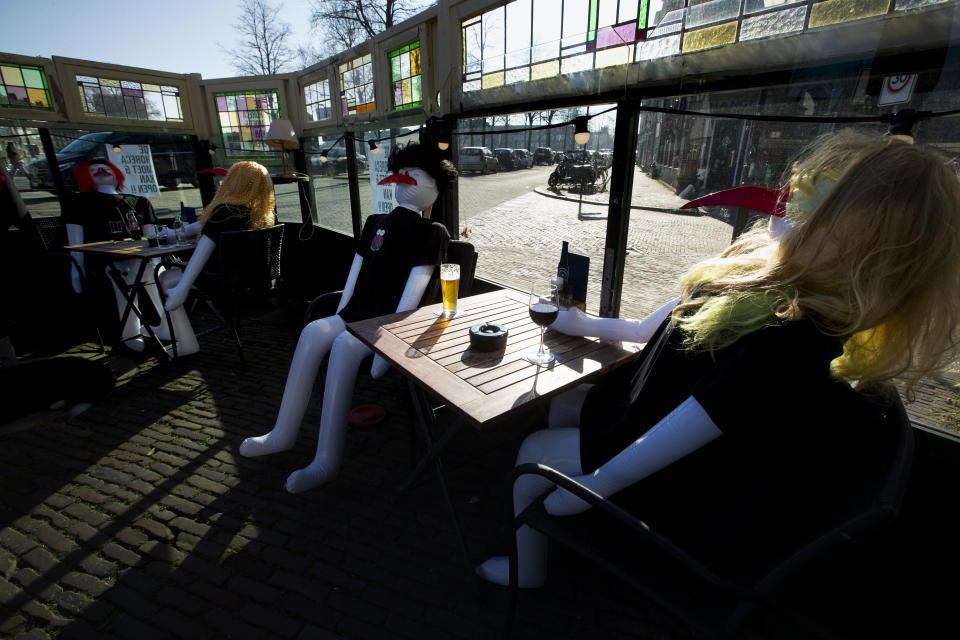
point(136, 162)
point(382, 195)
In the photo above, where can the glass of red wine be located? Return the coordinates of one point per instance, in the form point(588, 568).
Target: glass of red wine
point(543, 311)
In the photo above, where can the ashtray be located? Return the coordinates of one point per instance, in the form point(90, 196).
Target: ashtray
point(488, 336)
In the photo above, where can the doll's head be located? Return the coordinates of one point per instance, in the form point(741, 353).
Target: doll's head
point(420, 175)
point(248, 184)
point(873, 256)
point(98, 175)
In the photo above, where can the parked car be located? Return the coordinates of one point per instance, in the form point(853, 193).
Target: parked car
point(173, 158)
point(520, 158)
point(506, 159)
point(542, 155)
point(336, 162)
point(479, 159)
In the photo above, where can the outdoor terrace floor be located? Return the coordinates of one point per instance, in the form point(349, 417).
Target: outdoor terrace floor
point(138, 519)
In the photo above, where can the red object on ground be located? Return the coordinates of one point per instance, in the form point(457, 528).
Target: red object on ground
point(220, 171)
point(366, 415)
point(762, 199)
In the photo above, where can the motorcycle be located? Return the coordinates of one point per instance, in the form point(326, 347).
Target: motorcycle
point(568, 171)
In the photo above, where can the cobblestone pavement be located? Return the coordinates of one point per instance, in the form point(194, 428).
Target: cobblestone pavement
point(137, 519)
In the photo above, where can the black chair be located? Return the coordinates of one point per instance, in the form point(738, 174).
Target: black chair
point(716, 596)
point(245, 267)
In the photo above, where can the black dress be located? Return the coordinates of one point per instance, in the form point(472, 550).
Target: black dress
point(782, 416)
point(226, 217)
point(391, 245)
point(103, 216)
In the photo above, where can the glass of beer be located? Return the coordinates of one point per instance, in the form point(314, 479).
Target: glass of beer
point(449, 288)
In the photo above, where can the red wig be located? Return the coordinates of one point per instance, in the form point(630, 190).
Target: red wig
point(84, 172)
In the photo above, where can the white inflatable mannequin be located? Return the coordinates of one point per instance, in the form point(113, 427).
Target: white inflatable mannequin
point(681, 432)
point(346, 353)
point(132, 332)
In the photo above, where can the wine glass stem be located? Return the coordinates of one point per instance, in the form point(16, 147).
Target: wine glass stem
point(542, 330)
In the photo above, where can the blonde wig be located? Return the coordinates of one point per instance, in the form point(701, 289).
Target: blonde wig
point(875, 260)
point(248, 184)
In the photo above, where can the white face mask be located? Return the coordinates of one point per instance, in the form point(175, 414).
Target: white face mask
point(104, 181)
point(418, 196)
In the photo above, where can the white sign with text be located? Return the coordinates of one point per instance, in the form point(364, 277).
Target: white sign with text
point(136, 162)
point(382, 195)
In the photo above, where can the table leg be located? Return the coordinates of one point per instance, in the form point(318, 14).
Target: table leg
point(422, 407)
point(130, 293)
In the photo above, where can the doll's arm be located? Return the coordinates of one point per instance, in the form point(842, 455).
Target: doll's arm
point(417, 283)
point(75, 236)
point(178, 294)
point(574, 322)
point(351, 281)
point(680, 433)
point(193, 228)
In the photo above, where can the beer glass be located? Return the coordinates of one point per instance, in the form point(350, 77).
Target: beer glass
point(449, 287)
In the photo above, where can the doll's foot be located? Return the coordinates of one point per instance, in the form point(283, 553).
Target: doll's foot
point(308, 478)
point(134, 344)
point(265, 445)
point(497, 571)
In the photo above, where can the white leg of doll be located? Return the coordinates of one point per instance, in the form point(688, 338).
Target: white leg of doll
point(557, 448)
point(345, 358)
point(130, 332)
point(565, 408)
point(182, 329)
point(315, 340)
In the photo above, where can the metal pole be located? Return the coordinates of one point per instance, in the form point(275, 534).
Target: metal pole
point(53, 166)
point(618, 214)
point(350, 141)
point(308, 201)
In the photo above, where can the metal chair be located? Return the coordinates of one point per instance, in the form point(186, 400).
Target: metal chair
point(245, 267)
point(715, 597)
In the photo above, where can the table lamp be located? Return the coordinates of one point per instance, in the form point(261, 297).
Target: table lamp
point(281, 134)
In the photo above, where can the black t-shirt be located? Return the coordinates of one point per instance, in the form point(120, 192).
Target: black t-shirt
point(391, 245)
point(226, 217)
point(103, 216)
point(784, 420)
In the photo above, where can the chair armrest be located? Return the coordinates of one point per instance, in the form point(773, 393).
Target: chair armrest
point(322, 306)
point(637, 526)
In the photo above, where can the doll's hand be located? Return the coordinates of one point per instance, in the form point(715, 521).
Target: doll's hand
point(561, 502)
point(176, 297)
point(570, 321)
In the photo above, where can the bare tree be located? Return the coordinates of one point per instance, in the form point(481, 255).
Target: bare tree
point(264, 46)
point(341, 24)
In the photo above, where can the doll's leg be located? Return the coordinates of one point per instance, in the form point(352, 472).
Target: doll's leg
point(315, 340)
point(182, 329)
point(345, 358)
point(557, 448)
point(130, 332)
point(565, 408)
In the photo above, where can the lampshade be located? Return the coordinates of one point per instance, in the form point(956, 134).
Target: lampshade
point(581, 135)
point(281, 134)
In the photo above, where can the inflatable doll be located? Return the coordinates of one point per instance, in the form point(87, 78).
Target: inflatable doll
point(100, 212)
point(245, 200)
point(396, 256)
point(859, 288)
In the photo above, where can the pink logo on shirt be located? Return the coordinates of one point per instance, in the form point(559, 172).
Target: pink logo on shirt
point(377, 241)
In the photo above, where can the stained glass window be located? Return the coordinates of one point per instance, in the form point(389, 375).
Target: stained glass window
point(129, 99)
point(245, 117)
point(405, 76)
point(317, 97)
point(525, 40)
point(534, 39)
point(356, 86)
point(24, 85)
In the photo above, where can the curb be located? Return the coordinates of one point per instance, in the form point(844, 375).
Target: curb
point(681, 212)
